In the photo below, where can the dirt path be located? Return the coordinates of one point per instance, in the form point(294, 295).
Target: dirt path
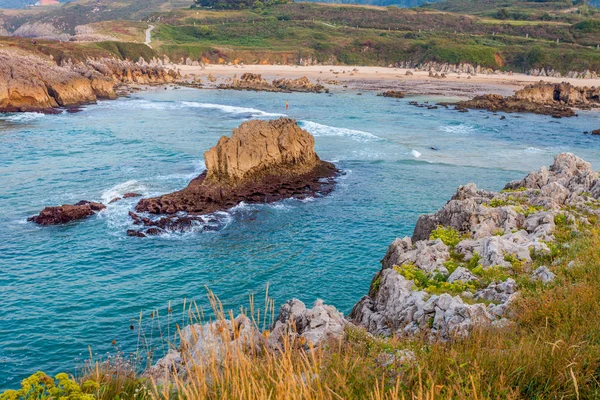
point(148, 35)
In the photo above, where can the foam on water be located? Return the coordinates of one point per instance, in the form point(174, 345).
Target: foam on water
point(131, 186)
point(534, 150)
point(253, 112)
point(460, 128)
point(319, 130)
point(143, 104)
point(24, 117)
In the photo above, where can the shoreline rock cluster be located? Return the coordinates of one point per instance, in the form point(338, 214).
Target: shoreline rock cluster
point(262, 162)
point(557, 100)
point(473, 249)
point(250, 81)
point(29, 83)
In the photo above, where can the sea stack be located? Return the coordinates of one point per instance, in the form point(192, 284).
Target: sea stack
point(262, 162)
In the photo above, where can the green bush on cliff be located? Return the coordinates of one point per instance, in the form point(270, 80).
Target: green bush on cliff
point(435, 285)
point(450, 236)
point(40, 386)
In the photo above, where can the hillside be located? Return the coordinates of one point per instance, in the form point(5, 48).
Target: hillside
point(514, 36)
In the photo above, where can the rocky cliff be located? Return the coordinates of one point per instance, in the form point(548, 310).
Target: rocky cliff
point(542, 98)
point(461, 267)
point(29, 83)
point(263, 161)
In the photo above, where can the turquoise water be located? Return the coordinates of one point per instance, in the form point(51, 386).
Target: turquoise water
point(68, 287)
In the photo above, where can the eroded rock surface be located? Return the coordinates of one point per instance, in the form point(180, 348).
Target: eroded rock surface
point(262, 162)
point(494, 235)
point(542, 98)
point(29, 83)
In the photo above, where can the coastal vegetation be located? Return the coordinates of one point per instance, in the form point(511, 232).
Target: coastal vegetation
point(551, 351)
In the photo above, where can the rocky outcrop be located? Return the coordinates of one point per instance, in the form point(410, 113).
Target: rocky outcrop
point(29, 83)
point(307, 327)
point(67, 213)
point(208, 344)
point(262, 162)
point(298, 85)
point(557, 100)
point(250, 81)
point(477, 234)
point(393, 93)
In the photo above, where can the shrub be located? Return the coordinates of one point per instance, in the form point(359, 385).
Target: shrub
point(450, 236)
point(40, 386)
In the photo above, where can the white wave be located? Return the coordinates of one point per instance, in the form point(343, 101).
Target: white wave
point(415, 153)
point(122, 188)
point(325, 130)
point(231, 109)
point(23, 117)
point(533, 150)
point(461, 128)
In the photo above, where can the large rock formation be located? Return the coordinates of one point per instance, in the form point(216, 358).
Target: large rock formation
point(542, 98)
point(29, 83)
point(262, 162)
point(486, 234)
point(66, 213)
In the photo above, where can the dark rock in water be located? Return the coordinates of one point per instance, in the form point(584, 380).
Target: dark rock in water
point(596, 132)
point(503, 117)
point(154, 231)
point(130, 195)
point(262, 162)
point(134, 233)
point(434, 148)
point(114, 200)
point(66, 213)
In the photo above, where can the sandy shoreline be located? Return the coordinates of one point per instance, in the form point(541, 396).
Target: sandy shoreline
point(380, 78)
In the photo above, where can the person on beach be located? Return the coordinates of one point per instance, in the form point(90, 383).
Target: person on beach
point(287, 105)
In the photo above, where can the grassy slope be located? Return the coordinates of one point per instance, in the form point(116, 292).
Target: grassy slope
point(377, 36)
point(77, 51)
point(348, 34)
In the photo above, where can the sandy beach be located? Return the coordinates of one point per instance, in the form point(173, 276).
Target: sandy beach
point(380, 78)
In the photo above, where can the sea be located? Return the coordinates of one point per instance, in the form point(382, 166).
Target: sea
point(71, 292)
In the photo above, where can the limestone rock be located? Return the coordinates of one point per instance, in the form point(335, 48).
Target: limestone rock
point(499, 230)
point(313, 327)
point(543, 274)
point(429, 256)
point(461, 274)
